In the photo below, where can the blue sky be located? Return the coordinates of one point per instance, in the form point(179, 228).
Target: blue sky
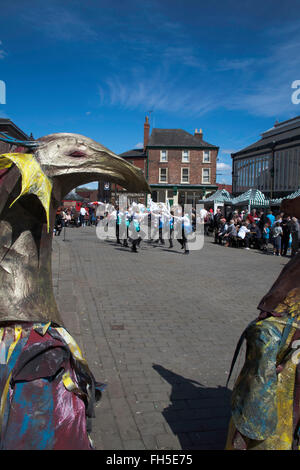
point(98, 67)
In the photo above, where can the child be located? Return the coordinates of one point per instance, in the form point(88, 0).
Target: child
point(266, 236)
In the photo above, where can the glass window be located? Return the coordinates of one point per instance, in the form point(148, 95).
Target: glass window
point(185, 175)
point(163, 155)
point(163, 175)
point(206, 156)
point(185, 156)
point(206, 175)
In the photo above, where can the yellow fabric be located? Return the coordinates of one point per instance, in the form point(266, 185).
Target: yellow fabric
point(18, 333)
point(34, 180)
point(3, 399)
point(74, 348)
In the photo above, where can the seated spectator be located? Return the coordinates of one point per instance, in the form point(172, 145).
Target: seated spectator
point(242, 234)
point(222, 230)
point(230, 234)
point(254, 235)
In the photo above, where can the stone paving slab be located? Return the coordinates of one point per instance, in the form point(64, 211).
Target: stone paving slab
point(160, 329)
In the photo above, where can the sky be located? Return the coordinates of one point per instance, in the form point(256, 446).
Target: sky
point(99, 67)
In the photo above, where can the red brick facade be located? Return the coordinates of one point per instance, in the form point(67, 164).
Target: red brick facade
point(175, 164)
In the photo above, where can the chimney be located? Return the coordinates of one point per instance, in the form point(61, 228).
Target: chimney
point(198, 133)
point(146, 132)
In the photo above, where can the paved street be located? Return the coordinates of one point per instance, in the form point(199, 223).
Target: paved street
point(160, 329)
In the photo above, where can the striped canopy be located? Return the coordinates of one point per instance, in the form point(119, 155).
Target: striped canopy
point(252, 197)
point(290, 196)
point(221, 195)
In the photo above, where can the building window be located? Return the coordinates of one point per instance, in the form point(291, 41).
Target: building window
point(163, 155)
point(163, 175)
point(186, 156)
point(205, 175)
point(185, 175)
point(206, 156)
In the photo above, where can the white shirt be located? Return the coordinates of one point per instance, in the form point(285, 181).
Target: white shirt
point(242, 232)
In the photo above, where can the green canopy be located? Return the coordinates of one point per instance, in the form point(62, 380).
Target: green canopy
point(290, 196)
point(252, 197)
point(221, 195)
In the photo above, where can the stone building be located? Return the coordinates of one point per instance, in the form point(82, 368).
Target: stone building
point(272, 164)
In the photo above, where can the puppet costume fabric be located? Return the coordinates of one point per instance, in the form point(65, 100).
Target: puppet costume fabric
point(266, 395)
point(47, 389)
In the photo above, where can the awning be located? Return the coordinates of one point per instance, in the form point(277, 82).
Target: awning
point(252, 197)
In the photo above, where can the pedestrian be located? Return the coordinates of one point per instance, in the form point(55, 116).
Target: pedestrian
point(276, 236)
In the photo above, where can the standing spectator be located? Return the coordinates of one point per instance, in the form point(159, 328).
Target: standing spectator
point(266, 236)
point(82, 216)
point(295, 229)
point(217, 221)
point(271, 217)
point(286, 231)
point(262, 220)
point(276, 235)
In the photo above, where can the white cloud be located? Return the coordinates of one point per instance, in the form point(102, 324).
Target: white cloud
point(139, 145)
point(221, 166)
point(2, 51)
point(60, 23)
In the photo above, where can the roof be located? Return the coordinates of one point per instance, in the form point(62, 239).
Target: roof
point(176, 138)
point(282, 133)
point(12, 130)
point(134, 153)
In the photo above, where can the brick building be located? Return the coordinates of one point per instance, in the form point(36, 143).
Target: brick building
point(179, 167)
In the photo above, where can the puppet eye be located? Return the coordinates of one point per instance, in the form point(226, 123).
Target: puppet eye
point(77, 154)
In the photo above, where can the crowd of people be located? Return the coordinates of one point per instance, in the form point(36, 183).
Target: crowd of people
point(149, 223)
point(259, 229)
point(67, 217)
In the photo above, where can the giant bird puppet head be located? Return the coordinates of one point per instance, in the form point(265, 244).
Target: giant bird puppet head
point(32, 184)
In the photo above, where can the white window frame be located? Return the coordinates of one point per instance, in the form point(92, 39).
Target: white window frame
point(161, 159)
point(185, 168)
point(209, 156)
point(159, 177)
point(209, 175)
point(188, 156)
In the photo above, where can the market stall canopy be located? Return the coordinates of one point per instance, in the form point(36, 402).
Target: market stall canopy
point(252, 197)
point(221, 195)
point(73, 196)
point(290, 196)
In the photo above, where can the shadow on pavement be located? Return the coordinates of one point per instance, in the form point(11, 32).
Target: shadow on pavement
point(199, 416)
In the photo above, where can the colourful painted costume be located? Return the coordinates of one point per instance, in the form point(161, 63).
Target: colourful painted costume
point(266, 395)
point(47, 390)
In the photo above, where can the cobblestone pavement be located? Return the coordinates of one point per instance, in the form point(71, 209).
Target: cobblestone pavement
point(160, 329)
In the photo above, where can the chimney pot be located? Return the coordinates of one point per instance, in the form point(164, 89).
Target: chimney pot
point(199, 133)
